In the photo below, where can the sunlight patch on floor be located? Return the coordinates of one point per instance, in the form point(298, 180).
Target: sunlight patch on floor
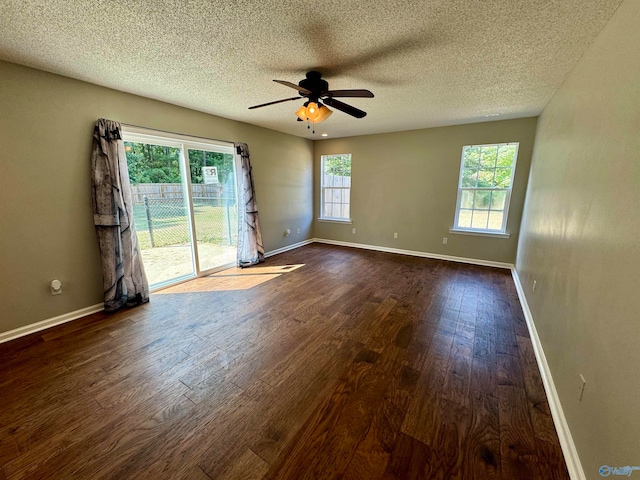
point(231, 279)
point(258, 270)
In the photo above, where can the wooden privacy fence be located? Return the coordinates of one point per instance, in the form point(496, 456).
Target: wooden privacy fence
point(170, 191)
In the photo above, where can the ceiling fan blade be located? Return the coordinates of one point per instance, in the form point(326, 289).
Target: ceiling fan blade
point(348, 93)
point(293, 85)
point(273, 103)
point(343, 107)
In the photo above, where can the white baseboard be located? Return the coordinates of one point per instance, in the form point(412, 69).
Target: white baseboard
point(50, 322)
point(437, 256)
point(288, 247)
point(564, 434)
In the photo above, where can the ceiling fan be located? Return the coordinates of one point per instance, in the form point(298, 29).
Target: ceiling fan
point(316, 89)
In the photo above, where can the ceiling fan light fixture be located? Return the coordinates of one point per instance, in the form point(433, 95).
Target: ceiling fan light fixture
point(313, 112)
point(301, 113)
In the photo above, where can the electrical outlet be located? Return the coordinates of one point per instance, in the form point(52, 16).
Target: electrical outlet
point(535, 282)
point(583, 382)
point(298, 230)
point(353, 230)
point(287, 232)
point(445, 240)
point(56, 287)
point(395, 234)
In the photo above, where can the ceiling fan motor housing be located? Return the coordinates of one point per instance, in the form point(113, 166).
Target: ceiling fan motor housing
point(315, 84)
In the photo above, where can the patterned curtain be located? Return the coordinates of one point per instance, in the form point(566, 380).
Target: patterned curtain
point(250, 249)
point(125, 282)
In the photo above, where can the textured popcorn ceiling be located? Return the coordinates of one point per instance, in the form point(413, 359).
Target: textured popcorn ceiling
point(429, 62)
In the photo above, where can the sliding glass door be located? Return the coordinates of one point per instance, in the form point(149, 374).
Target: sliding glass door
point(215, 213)
point(185, 208)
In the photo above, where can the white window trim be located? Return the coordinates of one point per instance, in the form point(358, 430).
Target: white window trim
point(479, 233)
point(322, 187)
point(335, 220)
point(485, 232)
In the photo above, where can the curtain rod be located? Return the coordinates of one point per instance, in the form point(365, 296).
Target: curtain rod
point(176, 133)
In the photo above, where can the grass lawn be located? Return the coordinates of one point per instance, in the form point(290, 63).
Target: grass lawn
point(171, 227)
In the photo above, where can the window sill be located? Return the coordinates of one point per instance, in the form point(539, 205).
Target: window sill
point(479, 234)
point(334, 220)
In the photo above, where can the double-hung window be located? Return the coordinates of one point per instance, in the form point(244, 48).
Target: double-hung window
point(484, 187)
point(335, 188)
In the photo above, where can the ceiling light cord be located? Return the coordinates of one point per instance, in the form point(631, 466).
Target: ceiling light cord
point(309, 126)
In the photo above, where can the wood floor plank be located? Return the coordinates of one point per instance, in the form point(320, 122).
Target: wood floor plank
point(518, 452)
point(458, 376)
point(547, 445)
point(484, 376)
point(320, 446)
point(449, 439)
point(297, 397)
point(309, 349)
point(194, 473)
point(24, 401)
point(420, 420)
point(482, 456)
point(509, 370)
point(410, 460)
point(551, 460)
point(60, 453)
point(248, 467)
point(180, 442)
point(324, 362)
point(484, 343)
point(372, 454)
point(531, 376)
point(113, 460)
point(505, 338)
point(29, 433)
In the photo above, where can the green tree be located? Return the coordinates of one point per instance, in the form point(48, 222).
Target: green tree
point(157, 164)
point(152, 163)
point(338, 165)
point(199, 159)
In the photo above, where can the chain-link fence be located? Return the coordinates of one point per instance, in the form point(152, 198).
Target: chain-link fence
point(162, 222)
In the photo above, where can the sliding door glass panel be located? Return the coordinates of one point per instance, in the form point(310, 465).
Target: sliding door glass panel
point(215, 209)
point(161, 214)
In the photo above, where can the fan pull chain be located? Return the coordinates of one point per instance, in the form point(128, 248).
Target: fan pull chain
point(309, 126)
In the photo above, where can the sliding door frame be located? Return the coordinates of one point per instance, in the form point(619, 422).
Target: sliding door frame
point(185, 143)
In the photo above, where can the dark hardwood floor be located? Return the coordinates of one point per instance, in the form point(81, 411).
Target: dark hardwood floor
point(354, 365)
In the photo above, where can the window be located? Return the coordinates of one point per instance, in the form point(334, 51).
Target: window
point(335, 188)
point(484, 189)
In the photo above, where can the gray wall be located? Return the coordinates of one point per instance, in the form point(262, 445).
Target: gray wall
point(46, 127)
point(580, 241)
point(407, 182)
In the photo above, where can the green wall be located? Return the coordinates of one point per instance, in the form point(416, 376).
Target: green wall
point(46, 128)
point(580, 242)
point(407, 182)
